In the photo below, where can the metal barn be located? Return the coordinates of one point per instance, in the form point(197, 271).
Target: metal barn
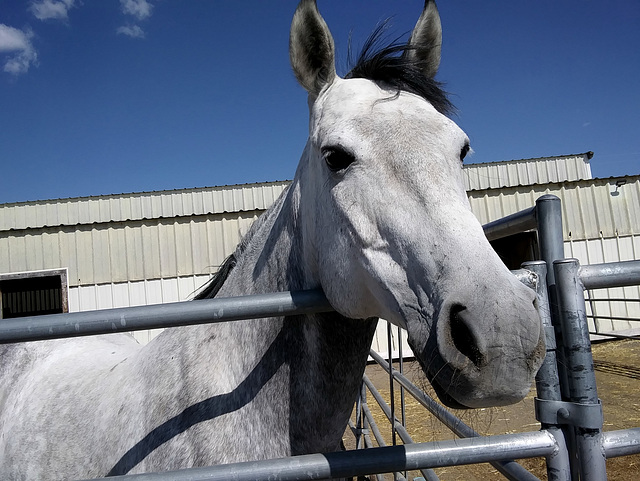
point(80, 254)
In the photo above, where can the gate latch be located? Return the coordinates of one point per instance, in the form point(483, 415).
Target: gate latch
point(588, 416)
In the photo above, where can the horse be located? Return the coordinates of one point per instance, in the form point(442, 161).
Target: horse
point(376, 216)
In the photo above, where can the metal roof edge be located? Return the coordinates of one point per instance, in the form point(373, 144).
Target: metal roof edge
point(145, 192)
point(588, 154)
point(601, 180)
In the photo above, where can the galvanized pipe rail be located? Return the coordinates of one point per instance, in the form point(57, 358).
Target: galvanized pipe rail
point(610, 274)
point(108, 321)
point(366, 461)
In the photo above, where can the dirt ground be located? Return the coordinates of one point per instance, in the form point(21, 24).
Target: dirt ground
point(618, 376)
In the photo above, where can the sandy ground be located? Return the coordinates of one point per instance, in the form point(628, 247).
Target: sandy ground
point(618, 376)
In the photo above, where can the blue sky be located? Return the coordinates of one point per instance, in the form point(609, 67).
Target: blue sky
point(110, 96)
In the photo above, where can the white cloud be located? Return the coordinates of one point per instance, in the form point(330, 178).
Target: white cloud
point(17, 43)
point(140, 9)
point(51, 9)
point(133, 31)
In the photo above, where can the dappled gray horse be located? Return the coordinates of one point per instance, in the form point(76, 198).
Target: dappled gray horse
point(377, 217)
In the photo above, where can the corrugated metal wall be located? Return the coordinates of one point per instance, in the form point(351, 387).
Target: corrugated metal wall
point(250, 197)
point(132, 251)
point(139, 206)
point(614, 249)
point(495, 175)
point(591, 209)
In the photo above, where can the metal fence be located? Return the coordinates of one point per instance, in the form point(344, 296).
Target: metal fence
point(571, 439)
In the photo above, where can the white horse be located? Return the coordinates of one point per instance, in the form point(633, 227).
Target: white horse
point(376, 216)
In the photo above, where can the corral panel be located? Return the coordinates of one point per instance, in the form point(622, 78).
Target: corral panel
point(597, 251)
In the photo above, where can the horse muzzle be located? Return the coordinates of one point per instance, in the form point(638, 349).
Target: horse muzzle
point(484, 351)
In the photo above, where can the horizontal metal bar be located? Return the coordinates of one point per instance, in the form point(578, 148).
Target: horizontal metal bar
point(367, 461)
point(614, 318)
point(175, 314)
point(615, 336)
point(511, 224)
point(610, 274)
point(610, 299)
point(621, 443)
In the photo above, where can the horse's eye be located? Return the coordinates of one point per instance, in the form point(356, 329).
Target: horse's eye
point(337, 158)
point(464, 151)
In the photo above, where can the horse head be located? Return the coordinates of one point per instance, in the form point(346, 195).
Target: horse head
point(387, 227)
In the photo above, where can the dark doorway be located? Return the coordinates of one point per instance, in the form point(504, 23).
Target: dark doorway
point(33, 294)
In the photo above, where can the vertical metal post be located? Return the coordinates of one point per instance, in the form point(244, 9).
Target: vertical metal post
point(551, 244)
point(592, 306)
point(547, 382)
point(403, 417)
point(579, 367)
point(391, 392)
point(550, 238)
point(401, 369)
point(360, 418)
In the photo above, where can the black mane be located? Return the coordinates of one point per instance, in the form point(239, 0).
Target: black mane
point(212, 287)
point(389, 66)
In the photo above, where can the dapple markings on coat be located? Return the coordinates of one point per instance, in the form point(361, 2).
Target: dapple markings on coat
point(377, 216)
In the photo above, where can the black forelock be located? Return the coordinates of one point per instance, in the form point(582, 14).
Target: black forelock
point(387, 65)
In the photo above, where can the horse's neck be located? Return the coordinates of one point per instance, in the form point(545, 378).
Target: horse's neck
point(324, 355)
point(325, 372)
point(271, 256)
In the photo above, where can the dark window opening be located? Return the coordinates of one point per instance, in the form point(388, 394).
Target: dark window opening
point(33, 294)
point(516, 249)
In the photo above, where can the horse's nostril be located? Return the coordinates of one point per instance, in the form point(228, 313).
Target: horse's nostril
point(462, 336)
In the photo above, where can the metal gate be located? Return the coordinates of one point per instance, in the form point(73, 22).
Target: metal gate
point(571, 439)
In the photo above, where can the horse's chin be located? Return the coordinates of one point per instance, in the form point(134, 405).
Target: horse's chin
point(446, 398)
point(442, 393)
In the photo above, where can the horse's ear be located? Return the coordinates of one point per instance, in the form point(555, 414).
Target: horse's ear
point(426, 40)
point(311, 48)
